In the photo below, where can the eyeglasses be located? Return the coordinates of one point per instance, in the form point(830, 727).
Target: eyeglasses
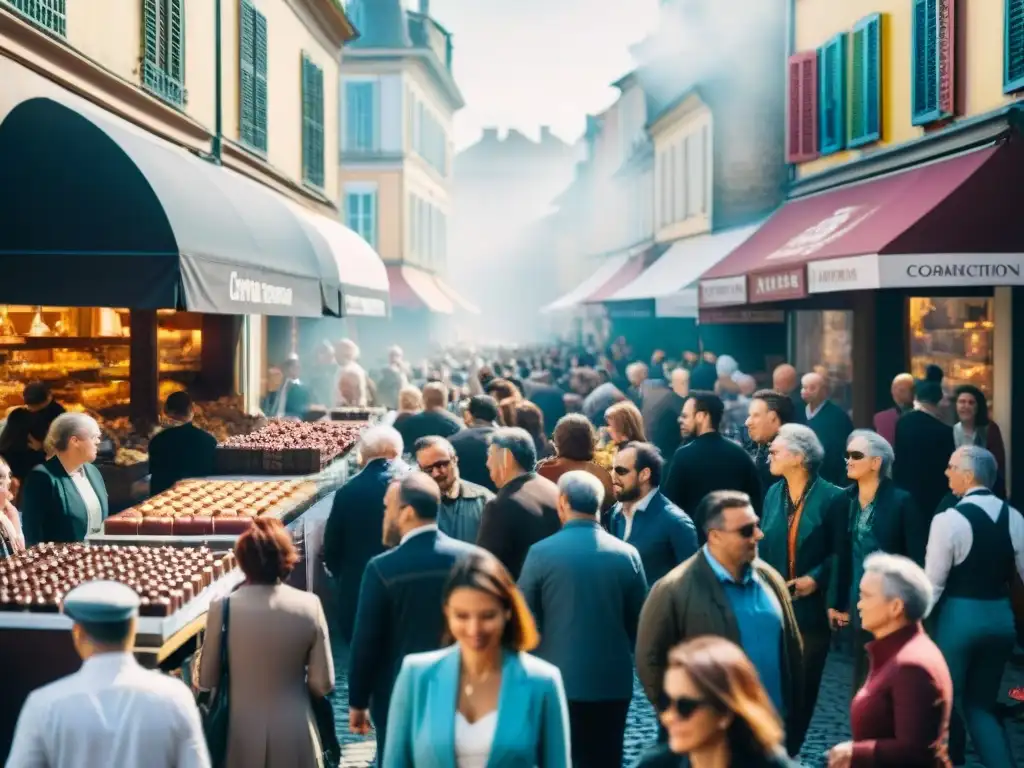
point(854, 455)
point(437, 466)
point(683, 707)
point(621, 471)
point(744, 531)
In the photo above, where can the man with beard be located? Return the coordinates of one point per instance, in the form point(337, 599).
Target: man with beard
point(462, 502)
point(708, 462)
point(663, 534)
point(399, 600)
point(769, 410)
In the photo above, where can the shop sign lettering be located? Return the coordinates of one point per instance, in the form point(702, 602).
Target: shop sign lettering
point(247, 291)
point(970, 271)
point(787, 284)
point(729, 290)
point(821, 234)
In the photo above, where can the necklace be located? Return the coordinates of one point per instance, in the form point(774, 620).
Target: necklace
point(469, 689)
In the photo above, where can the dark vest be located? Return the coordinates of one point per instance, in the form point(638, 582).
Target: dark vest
point(987, 572)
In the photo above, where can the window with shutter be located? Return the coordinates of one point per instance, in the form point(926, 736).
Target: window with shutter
point(932, 82)
point(361, 213)
point(252, 65)
point(1013, 46)
point(832, 95)
point(49, 14)
point(312, 123)
point(865, 124)
point(802, 108)
point(163, 49)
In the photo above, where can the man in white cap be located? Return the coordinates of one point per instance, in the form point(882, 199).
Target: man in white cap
point(112, 712)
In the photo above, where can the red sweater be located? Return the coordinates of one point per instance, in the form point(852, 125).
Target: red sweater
point(900, 718)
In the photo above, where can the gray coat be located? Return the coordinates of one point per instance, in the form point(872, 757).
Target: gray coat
point(459, 518)
point(586, 589)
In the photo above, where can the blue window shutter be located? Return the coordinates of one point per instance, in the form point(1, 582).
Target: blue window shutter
point(866, 82)
point(371, 216)
point(312, 123)
point(932, 81)
point(247, 76)
point(260, 56)
point(832, 95)
point(1013, 46)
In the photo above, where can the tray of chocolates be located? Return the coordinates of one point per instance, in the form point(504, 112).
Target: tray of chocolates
point(212, 507)
point(166, 578)
point(288, 448)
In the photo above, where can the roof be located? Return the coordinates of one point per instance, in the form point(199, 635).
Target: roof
point(382, 25)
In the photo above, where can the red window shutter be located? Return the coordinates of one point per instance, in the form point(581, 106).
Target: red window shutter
point(802, 113)
point(947, 56)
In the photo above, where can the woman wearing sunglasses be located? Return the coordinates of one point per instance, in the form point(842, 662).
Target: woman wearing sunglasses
point(715, 710)
point(883, 518)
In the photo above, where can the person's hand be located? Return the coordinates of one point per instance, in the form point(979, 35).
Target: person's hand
point(359, 721)
point(34, 444)
point(802, 586)
point(838, 619)
point(841, 755)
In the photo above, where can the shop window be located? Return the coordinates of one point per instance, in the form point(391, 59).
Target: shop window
point(1013, 46)
point(163, 58)
point(832, 95)
point(252, 55)
point(49, 14)
point(958, 336)
point(932, 83)
point(866, 81)
point(823, 342)
point(802, 108)
point(312, 123)
point(361, 213)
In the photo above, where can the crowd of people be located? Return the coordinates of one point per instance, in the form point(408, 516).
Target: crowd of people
point(532, 528)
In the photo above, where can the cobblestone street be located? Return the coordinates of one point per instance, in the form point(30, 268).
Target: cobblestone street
point(829, 726)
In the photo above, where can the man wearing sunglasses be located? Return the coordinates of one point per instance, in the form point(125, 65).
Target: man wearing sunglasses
point(727, 591)
point(462, 502)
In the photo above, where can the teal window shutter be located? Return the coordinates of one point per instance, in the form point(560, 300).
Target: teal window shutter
point(932, 62)
point(48, 14)
point(832, 95)
point(1013, 46)
point(252, 80)
point(163, 55)
point(866, 81)
point(312, 123)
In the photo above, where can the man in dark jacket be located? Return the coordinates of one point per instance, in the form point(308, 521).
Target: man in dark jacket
point(471, 444)
point(786, 380)
point(399, 600)
point(181, 450)
point(831, 424)
point(725, 590)
point(526, 507)
point(434, 419)
point(21, 442)
point(550, 399)
point(923, 446)
point(661, 409)
point(708, 462)
point(768, 411)
point(352, 535)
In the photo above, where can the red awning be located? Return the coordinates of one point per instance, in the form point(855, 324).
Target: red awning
point(414, 289)
point(884, 215)
point(625, 275)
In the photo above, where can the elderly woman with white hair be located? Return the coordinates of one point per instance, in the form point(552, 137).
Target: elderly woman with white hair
point(900, 717)
point(883, 518)
point(806, 529)
point(65, 498)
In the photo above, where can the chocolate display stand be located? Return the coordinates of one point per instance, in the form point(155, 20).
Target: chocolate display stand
point(37, 647)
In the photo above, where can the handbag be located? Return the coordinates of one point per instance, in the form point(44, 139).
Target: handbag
point(323, 714)
point(215, 712)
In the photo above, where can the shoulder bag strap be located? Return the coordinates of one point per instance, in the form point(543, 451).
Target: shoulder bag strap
point(225, 620)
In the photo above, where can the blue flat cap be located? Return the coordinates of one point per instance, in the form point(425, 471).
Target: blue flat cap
point(101, 602)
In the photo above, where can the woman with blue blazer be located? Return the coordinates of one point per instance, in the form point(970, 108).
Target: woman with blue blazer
point(483, 702)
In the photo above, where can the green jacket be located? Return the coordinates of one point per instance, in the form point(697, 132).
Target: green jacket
point(51, 507)
point(689, 602)
point(824, 534)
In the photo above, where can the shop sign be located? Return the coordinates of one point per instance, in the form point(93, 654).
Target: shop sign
point(247, 291)
point(777, 286)
point(742, 317)
point(681, 304)
point(363, 306)
point(951, 269)
point(723, 291)
point(823, 233)
point(854, 273)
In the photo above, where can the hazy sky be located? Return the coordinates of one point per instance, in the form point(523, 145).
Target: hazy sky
point(526, 63)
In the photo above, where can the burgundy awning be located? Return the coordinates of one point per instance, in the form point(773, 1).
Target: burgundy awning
point(943, 207)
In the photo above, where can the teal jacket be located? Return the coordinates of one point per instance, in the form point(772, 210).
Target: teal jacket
point(533, 717)
point(51, 507)
point(822, 538)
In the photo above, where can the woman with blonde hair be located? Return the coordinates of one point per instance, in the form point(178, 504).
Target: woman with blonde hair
point(715, 710)
point(625, 424)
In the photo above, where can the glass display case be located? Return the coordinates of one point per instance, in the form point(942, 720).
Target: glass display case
point(958, 336)
point(83, 354)
point(823, 342)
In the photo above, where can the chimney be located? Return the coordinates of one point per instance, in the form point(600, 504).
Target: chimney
point(545, 134)
point(425, 7)
point(490, 134)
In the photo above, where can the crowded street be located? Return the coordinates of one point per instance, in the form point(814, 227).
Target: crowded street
point(468, 384)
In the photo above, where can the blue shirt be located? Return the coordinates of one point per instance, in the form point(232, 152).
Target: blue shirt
point(759, 617)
